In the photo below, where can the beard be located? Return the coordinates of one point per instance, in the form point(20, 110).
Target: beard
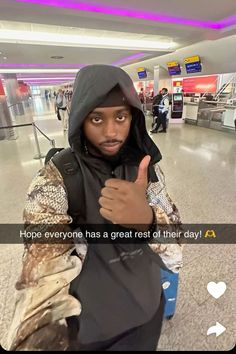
point(111, 159)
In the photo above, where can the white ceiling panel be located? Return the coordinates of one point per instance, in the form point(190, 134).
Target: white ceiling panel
point(70, 20)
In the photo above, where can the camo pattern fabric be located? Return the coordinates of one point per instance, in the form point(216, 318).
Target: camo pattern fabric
point(43, 300)
point(167, 219)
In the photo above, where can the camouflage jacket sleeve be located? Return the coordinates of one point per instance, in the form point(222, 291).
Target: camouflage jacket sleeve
point(167, 219)
point(43, 301)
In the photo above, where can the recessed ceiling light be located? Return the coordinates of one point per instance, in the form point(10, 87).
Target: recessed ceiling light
point(4, 58)
point(57, 57)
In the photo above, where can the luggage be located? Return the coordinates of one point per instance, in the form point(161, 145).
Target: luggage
point(169, 281)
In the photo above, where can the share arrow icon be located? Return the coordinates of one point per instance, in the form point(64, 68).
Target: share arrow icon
point(218, 329)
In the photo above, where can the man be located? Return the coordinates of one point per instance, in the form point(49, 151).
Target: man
point(163, 109)
point(98, 296)
point(142, 98)
point(155, 110)
point(61, 108)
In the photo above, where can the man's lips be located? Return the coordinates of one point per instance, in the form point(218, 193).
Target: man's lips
point(111, 146)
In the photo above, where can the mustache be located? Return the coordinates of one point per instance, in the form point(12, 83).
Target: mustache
point(112, 141)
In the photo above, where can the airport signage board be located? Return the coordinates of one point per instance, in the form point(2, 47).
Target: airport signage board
point(142, 73)
point(193, 59)
point(193, 64)
point(174, 68)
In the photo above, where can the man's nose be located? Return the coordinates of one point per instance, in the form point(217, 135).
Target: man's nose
point(110, 130)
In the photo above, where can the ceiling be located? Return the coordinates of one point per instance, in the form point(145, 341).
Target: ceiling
point(182, 23)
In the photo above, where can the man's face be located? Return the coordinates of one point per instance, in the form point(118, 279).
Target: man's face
point(107, 128)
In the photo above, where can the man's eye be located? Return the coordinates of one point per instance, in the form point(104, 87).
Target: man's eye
point(96, 120)
point(121, 118)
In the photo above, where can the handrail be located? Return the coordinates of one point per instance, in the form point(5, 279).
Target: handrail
point(42, 132)
point(16, 126)
point(208, 91)
point(221, 90)
point(35, 128)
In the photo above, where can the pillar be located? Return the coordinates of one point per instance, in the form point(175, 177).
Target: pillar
point(13, 94)
point(5, 117)
point(156, 80)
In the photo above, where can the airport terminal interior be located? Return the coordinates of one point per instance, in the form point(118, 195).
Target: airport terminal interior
point(185, 46)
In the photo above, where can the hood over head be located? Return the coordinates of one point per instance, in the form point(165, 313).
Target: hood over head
point(92, 85)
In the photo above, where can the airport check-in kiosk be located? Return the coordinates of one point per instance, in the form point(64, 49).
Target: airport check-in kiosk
point(177, 105)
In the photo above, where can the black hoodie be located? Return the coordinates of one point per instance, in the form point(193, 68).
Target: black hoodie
point(91, 86)
point(119, 286)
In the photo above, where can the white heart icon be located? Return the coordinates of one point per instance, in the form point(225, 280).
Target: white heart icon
point(216, 289)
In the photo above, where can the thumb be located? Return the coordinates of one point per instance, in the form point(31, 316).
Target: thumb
point(142, 178)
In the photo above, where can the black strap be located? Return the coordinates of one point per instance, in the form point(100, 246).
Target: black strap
point(51, 153)
point(68, 166)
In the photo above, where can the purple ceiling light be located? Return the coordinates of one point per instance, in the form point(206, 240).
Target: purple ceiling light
point(115, 11)
point(50, 75)
point(43, 82)
point(128, 59)
point(48, 79)
point(52, 83)
point(228, 21)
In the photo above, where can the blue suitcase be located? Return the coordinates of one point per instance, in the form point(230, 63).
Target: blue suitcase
point(169, 281)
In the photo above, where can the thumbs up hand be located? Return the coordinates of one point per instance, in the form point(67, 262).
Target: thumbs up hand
point(142, 178)
point(125, 203)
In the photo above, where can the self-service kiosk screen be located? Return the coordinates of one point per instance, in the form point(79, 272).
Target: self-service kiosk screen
point(177, 97)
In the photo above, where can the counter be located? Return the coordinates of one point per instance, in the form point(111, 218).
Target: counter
point(229, 116)
point(210, 114)
point(190, 112)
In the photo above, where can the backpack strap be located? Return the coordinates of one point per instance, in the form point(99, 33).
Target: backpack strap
point(51, 153)
point(69, 168)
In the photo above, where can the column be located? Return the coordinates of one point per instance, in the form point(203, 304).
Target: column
point(5, 117)
point(156, 79)
point(13, 94)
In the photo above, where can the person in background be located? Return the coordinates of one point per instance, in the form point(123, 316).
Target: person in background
point(155, 111)
point(46, 93)
point(163, 109)
point(61, 109)
point(142, 98)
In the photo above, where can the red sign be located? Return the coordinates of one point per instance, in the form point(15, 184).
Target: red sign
point(23, 87)
point(2, 93)
point(177, 83)
point(200, 84)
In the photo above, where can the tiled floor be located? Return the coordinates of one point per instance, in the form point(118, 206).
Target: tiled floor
point(200, 169)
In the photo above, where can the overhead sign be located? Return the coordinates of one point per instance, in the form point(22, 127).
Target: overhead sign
point(142, 73)
point(140, 69)
point(193, 64)
point(192, 59)
point(174, 68)
point(172, 63)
